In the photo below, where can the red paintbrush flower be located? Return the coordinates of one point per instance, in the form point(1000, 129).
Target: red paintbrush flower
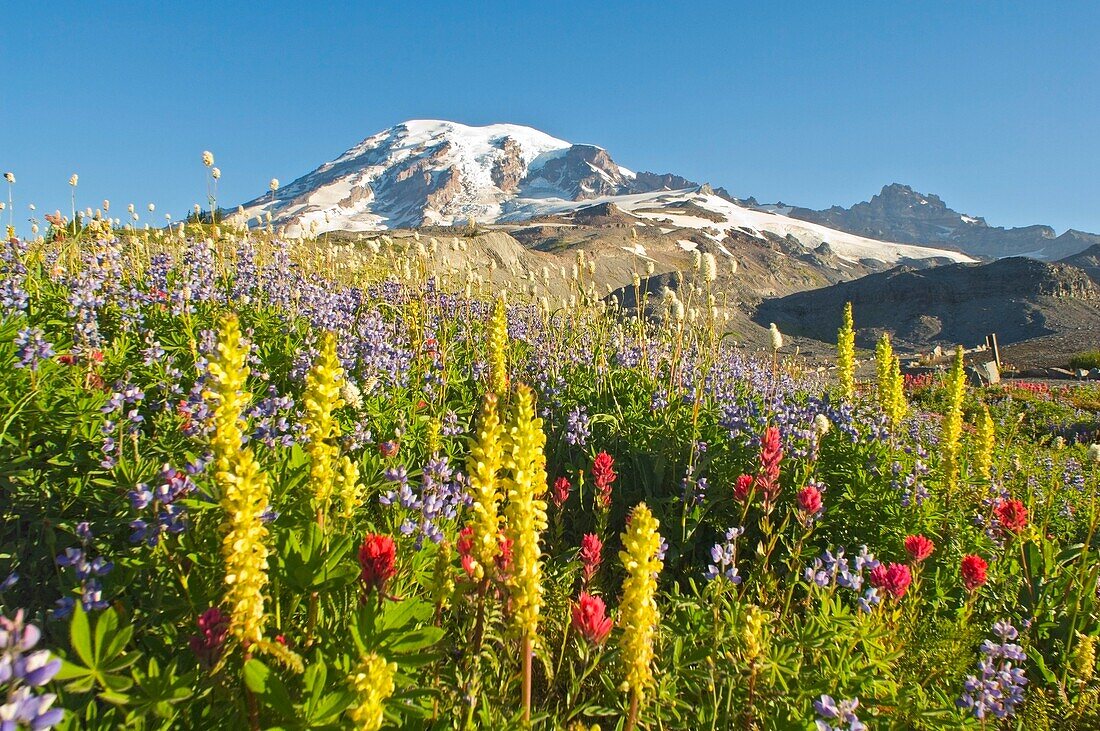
point(893, 579)
point(771, 454)
point(742, 488)
point(918, 547)
point(560, 492)
point(465, 546)
point(972, 570)
point(377, 559)
point(603, 473)
point(591, 556)
point(504, 558)
point(590, 618)
point(809, 499)
point(1011, 514)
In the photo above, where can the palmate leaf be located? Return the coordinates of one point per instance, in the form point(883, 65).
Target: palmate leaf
point(158, 690)
point(102, 654)
point(320, 707)
point(308, 564)
point(392, 630)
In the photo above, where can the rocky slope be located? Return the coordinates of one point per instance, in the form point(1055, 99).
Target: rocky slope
point(1017, 298)
point(898, 213)
point(1087, 260)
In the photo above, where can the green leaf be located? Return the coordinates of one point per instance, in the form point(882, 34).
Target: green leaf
point(262, 681)
point(417, 639)
point(80, 635)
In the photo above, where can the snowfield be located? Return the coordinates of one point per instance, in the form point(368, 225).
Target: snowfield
point(811, 235)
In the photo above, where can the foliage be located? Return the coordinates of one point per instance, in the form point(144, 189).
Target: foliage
point(1085, 359)
point(254, 483)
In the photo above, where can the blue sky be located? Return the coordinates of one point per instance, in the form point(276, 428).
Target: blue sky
point(994, 106)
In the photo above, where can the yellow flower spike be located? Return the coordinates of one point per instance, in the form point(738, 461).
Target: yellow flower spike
point(483, 467)
point(525, 511)
point(899, 406)
point(846, 354)
point(950, 440)
point(754, 633)
point(1082, 661)
point(638, 614)
point(373, 684)
point(987, 437)
point(443, 585)
point(434, 439)
point(890, 390)
point(884, 365)
point(498, 349)
point(244, 494)
point(351, 496)
point(321, 399)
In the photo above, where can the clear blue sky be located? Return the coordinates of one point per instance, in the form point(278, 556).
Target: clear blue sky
point(993, 105)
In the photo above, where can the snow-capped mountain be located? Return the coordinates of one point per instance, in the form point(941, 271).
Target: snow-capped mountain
point(430, 172)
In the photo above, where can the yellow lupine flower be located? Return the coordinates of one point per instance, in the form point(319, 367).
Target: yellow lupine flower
point(321, 399)
point(987, 437)
point(350, 490)
point(899, 406)
point(498, 349)
point(891, 385)
point(754, 632)
point(884, 364)
point(1082, 661)
point(244, 488)
point(526, 511)
point(483, 467)
point(373, 684)
point(846, 354)
point(434, 438)
point(638, 614)
point(443, 585)
point(950, 440)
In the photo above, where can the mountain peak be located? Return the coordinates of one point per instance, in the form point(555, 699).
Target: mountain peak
point(435, 171)
point(899, 192)
point(900, 213)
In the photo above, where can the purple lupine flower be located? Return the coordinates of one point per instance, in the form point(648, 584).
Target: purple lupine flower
point(834, 567)
point(272, 420)
point(998, 688)
point(31, 348)
point(164, 514)
point(22, 669)
point(13, 275)
point(153, 352)
point(577, 429)
point(24, 709)
point(837, 716)
point(442, 490)
point(451, 427)
point(87, 572)
point(724, 558)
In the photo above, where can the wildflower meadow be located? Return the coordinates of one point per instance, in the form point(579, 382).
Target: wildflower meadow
point(251, 482)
